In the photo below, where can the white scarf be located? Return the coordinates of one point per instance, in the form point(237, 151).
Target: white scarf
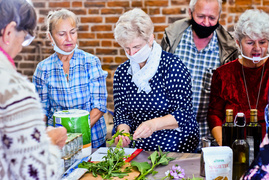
point(142, 76)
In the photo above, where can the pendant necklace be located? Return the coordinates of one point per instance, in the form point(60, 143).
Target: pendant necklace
point(257, 101)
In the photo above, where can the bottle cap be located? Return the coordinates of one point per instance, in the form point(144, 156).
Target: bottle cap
point(253, 111)
point(229, 115)
point(253, 115)
point(229, 112)
point(240, 119)
point(240, 114)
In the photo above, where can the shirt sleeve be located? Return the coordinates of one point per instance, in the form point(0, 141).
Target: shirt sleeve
point(39, 80)
point(178, 84)
point(26, 151)
point(97, 78)
point(121, 115)
point(216, 109)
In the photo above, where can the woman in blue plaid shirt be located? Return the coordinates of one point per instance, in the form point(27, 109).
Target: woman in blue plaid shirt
point(71, 78)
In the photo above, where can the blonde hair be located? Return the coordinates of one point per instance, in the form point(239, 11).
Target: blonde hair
point(132, 24)
point(55, 17)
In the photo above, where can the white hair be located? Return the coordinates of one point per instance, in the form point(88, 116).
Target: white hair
point(132, 24)
point(253, 23)
point(193, 3)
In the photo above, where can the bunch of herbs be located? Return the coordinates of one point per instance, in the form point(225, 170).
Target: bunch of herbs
point(111, 166)
point(156, 158)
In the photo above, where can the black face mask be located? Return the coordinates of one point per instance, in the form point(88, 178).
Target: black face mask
point(203, 31)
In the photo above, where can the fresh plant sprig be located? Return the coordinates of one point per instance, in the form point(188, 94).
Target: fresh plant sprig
point(111, 165)
point(176, 172)
point(110, 142)
point(157, 158)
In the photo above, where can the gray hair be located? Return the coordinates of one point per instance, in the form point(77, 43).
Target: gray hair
point(253, 23)
point(132, 24)
point(19, 11)
point(55, 16)
point(193, 3)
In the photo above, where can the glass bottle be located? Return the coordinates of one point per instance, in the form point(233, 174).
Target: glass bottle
point(240, 148)
point(254, 135)
point(228, 129)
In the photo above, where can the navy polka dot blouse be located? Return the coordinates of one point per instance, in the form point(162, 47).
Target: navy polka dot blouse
point(171, 94)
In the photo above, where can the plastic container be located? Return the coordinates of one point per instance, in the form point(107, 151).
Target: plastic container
point(76, 121)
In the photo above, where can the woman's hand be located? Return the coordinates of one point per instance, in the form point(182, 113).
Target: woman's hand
point(125, 140)
point(264, 141)
point(57, 136)
point(145, 129)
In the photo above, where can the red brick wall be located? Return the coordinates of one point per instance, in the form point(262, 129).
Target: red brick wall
point(97, 21)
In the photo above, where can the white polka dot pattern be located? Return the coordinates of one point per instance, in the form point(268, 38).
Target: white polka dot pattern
point(171, 94)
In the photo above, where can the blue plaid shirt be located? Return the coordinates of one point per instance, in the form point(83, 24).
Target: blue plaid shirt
point(85, 89)
point(201, 65)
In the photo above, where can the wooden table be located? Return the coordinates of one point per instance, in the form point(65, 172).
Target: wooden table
point(190, 162)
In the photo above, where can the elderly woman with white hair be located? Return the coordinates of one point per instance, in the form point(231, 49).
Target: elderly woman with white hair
point(152, 90)
point(243, 84)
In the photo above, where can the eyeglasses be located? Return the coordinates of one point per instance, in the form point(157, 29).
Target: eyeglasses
point(27, 40)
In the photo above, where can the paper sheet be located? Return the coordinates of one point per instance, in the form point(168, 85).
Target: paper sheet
point(102, 151)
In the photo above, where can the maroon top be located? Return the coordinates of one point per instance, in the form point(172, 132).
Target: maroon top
point(228, 92)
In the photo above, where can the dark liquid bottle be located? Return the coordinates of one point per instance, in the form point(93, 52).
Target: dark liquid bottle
point(228, 129)
point(240, 149)
point(254, 135)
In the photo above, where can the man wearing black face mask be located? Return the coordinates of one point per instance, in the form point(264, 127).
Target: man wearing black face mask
point(203, 45)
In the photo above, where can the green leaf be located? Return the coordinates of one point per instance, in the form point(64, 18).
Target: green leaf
point(153, 157)
point(160, 151)
point(170, 158)
point(141, 166)
point(163, 161)
point(154, 172)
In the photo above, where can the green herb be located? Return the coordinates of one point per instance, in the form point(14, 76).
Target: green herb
point(157, 158)
point(111, 166)
point(194, 178)
point(110, 142)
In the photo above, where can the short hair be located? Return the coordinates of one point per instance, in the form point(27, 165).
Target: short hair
point(19, 11)
point(193, 3)
point(132, 24)
point(253, 23)
point(55, 16)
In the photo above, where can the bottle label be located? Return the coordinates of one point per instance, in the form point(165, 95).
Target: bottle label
point(250, 141)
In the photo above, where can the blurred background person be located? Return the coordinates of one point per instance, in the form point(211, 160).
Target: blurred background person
point(203, 45)
point(243, 84)
point(259, 169)
point(27, 151)
point(71, 78)
point(152, 90)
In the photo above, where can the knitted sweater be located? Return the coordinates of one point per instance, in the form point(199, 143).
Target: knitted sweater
point(25, 148)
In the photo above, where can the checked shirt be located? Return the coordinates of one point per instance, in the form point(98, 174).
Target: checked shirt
point(85, 89)
point(201, 65)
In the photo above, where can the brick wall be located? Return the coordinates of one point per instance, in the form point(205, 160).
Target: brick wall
point(97, 21)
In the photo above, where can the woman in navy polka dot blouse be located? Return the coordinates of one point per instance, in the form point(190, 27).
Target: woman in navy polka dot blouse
point(152, 90)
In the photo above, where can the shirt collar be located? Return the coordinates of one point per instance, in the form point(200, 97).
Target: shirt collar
point(8, 57)
point(75, 55)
